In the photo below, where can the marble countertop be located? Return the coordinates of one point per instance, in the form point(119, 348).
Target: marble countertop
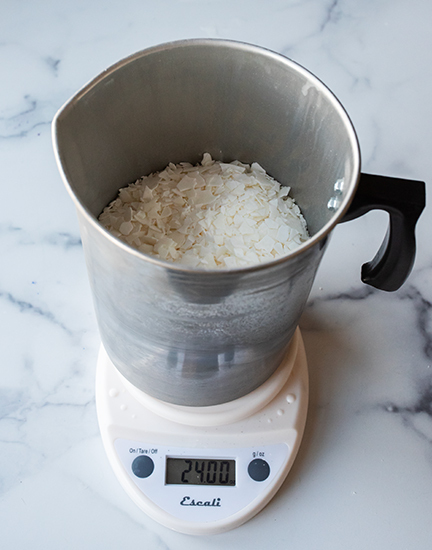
point(363, 476)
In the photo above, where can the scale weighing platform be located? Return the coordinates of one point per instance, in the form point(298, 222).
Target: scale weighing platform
point(204, 470)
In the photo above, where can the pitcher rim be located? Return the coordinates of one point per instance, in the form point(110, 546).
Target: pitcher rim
point(190, 42)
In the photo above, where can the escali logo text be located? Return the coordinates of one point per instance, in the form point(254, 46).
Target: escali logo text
point(188, 501)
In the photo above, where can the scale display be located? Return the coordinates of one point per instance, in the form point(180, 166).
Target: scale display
point(199, 471)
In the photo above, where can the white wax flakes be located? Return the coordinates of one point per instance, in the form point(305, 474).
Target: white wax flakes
point(213, 215)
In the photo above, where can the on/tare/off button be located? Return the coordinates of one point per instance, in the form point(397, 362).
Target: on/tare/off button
point(258, 469)
point(142, 466)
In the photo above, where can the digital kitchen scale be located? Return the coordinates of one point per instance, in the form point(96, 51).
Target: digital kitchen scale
point(204, 470)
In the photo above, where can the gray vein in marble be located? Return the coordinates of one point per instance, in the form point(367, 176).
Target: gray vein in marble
point(421, 407)
point(423, 309)
point(28, 307)
point(14, 405)
point(360, 293)
point(37, 451)
point(10, 400)
point(333, 14)
point(63, 239)
point(53, 64)
point(20, 124)
point(409, 414)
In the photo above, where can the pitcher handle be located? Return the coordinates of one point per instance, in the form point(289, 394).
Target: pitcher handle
point(404, 200)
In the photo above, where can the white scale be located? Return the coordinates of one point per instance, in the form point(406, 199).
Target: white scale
point(204, 470)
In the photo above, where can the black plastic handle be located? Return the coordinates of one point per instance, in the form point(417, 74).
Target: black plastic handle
point(404, 200)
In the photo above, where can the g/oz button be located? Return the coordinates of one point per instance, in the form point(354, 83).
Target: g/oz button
point(258, 469)
point(142, 466)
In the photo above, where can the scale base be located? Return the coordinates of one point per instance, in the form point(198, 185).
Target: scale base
point(233, 457)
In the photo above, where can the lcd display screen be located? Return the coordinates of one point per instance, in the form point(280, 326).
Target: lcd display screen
point(200, 471)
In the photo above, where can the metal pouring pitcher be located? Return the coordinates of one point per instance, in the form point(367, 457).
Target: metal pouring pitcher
point(190, 336)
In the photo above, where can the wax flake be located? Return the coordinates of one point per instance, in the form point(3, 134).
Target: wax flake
point(213, 215)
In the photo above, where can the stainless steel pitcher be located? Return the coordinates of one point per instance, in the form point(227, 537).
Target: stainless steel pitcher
point(195, 337)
